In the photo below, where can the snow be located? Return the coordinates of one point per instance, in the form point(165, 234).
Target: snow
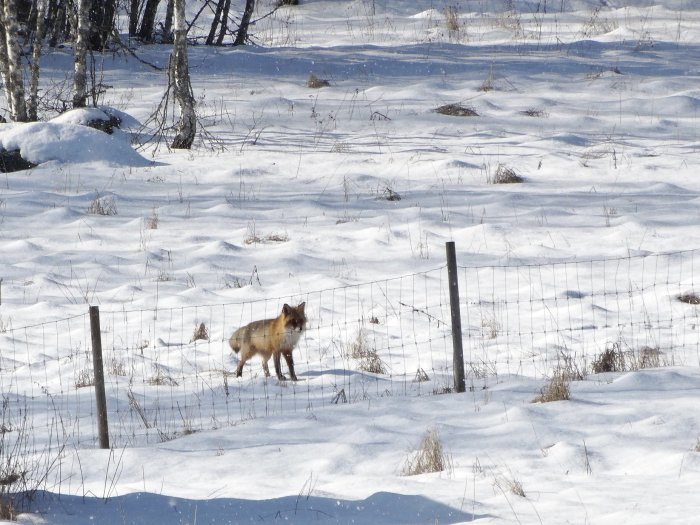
point(286, 201)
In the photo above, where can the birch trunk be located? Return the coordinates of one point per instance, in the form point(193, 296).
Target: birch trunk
point(34, 66)
point(12, 63)
point(180, 79)
point(80, 54)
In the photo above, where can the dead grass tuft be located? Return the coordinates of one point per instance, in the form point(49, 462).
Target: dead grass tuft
point(611, 360)
point(689, 298)
point(161, 379)
point(152, 221)
point(315, 83)
point(200, 333)
point(556, 390)
point(388, 194)
point(456, 110)
point(367, 357)
point(532, 112)
point(84, 378)
point(506, 175)
point(429, 457)
point(102, 206)
point(8, 512)
point(452, 19)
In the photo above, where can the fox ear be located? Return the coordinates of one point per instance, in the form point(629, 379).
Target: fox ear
point(286, 308)
point(301, 306)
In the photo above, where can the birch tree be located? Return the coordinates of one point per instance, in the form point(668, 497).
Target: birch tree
point(82, 30)
point(179, 73)
point(11, 61)
point(34, 66)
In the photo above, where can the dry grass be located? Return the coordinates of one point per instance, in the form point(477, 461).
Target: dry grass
point(532, 112)
point(102, 206)
point(556, 390)
point(388, 194)
point(611, 360)
point(315, 83)
point(152, 221)
point(456, 110)
point(509, 484)
point(200, 333)
point(429, 457)
point(689, 298)
point(506, 175)
point(452, 19)
point(7, 510)
point(84, 379)
point(161, 379)
point(697, 446)
point(367, 357)
point(615, 359)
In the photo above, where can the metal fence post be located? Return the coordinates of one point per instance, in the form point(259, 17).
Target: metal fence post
point(100, 396)
point(457, 352)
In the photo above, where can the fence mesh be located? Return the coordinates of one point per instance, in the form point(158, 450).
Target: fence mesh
point(171, 372)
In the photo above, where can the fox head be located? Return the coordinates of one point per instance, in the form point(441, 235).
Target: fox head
point(294, 317)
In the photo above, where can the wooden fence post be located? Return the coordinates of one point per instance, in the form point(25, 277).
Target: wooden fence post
point(98, 369)
point(457, 352)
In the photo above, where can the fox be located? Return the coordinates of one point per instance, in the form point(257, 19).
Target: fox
point(271, 338)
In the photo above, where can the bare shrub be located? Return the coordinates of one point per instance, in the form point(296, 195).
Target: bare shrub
point(556, 390)
point(367, 357)
point(510, 484)
point(84, 378)
point(489, 83)
point(421, 376)
point(23, 467)
point(456, 110)
point(160, 378)
point(117, 367)
point(611, 360)
point(153, 220)
point(103, 206)
point(316, 83)
point(506, 175)
point(388, 194)
point(570, 369)
point(532, 112)
point(200, 333)
point(429, 457)
point(689, 298)
point(649, 357)
point(452, 19)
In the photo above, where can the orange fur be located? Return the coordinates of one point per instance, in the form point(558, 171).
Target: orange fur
point(271, 338)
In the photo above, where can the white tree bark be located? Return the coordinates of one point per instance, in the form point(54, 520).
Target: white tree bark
point(34, 67)
point(12, 62)
point(180, 80)
point(82, 30)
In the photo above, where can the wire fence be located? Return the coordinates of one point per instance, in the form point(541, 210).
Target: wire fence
point(171, 371)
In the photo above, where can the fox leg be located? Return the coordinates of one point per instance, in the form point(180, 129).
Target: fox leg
point(278, 367)
point(266, 368)
point(239, 368)
point(245, 354)
point(290, 365)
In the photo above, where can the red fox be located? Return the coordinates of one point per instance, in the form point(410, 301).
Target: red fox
point(271, 337)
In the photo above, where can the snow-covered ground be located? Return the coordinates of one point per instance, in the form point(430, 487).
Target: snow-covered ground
point(343, 197)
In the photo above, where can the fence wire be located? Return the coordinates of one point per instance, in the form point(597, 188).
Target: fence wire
point(170, 372)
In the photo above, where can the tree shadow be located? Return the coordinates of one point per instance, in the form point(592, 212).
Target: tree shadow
point(154, 509)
